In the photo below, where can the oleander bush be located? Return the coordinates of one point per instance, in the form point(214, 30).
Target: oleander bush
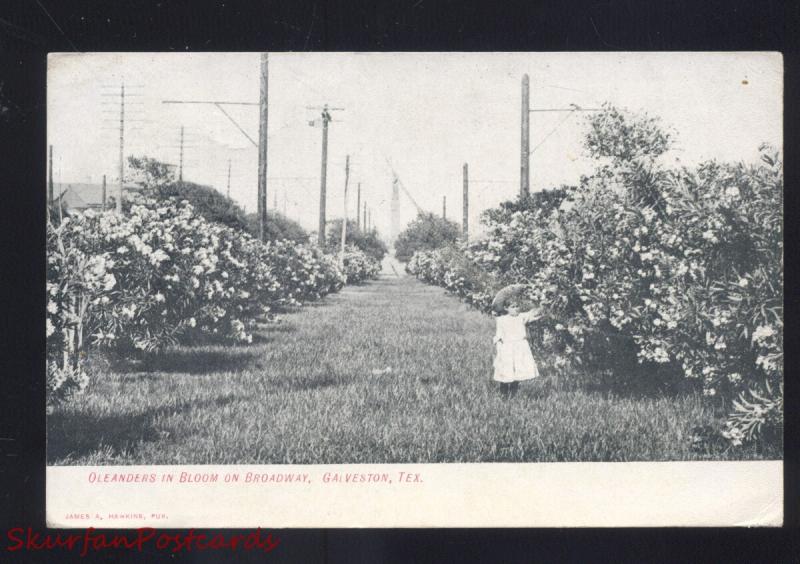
point(648, 271)
point(358, 266)
point(141, 280)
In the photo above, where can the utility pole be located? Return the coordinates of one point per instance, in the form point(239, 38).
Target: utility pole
point(229, 179)
point(365, 217)
point(325, 119)
point(524, 177)
point(465, 217)
point(262, 149)
point(121, 147)
point(358, 208)
point(344, 210)
point(104, 192)
point(444, 207)
point(50, 188)
point(180, 165)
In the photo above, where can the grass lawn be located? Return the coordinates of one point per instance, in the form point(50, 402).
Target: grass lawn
point(305, 392)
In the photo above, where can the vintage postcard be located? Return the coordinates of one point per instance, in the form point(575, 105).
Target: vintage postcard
point(414, 289)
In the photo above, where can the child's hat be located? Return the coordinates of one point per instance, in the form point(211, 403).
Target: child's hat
point(511, 292)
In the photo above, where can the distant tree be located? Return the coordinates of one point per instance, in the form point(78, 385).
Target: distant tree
point(427, 231)
point(367, 241)
point(150, 174)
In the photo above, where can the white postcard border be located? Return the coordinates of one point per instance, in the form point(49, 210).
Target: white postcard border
point(592, 494)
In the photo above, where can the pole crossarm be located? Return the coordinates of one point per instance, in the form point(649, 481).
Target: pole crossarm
point(215, 102)
point(575, 109)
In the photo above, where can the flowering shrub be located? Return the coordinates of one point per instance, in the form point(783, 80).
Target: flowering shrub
point(141, 280)
point(358, 266)
point(74, 281)
point(650, 271)
point(450, 268)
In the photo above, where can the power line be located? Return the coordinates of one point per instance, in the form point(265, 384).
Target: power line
point(546, 137)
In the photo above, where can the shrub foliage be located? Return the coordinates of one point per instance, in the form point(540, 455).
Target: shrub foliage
point(648, 271)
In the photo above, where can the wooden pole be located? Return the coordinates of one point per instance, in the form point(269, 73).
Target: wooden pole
point(262, 149)
point(104, 192)
point(323, 176)
point(524, 177)
point(358, 208)
point(121, 147)
point(465, 217)
point(344, 209)
point(365, 217)
point(444, 207)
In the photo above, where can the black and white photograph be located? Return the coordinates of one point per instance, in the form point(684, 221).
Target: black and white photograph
point(374, 259)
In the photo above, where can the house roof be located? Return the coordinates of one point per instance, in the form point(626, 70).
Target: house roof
point(83, 195)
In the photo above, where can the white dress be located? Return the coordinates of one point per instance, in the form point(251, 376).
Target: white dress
point(513, 359)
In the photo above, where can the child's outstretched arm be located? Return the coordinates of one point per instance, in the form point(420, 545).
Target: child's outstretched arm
point(533, 315)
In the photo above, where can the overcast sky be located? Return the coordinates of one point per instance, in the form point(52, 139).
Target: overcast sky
point(427, 113)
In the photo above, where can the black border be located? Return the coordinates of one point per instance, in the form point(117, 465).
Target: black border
point(31, 28)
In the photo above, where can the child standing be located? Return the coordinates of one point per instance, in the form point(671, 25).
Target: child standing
point(513, 361)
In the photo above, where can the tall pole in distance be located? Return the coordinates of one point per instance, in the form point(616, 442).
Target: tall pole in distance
point(444, 207)
point(180, 166)
point(228, 192)
point(524, 176)
point(326, 117)
point(358, 207)
point(50, 188)
point(121, 147)
point(365, 216)
point(262, 150)
point(465, 217)
point(104, 192)
point(344, 210)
